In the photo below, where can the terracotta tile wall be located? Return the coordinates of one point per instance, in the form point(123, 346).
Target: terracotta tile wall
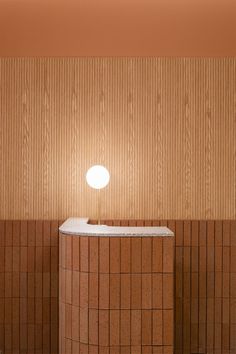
point(116, 295)
point(29, 287)
point(205, 286)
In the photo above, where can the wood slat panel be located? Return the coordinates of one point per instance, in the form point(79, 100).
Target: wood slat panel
point(164, 127)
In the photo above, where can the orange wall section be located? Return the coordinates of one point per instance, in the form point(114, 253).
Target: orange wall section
point(117, 28)
point(116, 294)
point(205, 286)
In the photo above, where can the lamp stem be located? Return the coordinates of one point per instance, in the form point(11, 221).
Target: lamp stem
point(99, 206)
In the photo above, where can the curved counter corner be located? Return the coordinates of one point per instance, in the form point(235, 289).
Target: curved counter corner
point(116, 290)
point(80, 226)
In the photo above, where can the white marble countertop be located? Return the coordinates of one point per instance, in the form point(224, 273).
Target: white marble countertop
point(80, 226)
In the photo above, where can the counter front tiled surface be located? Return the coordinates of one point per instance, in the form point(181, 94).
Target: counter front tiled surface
point(116, 293)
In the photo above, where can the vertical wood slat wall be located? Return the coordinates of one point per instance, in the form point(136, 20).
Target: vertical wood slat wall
point(164, 127)
point(205, 286)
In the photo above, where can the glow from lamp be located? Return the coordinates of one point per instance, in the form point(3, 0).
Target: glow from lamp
point(97, 177)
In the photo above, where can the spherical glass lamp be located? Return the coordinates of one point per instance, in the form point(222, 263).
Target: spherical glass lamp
point(98, 177)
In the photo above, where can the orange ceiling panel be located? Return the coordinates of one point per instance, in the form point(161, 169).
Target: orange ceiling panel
point(117, 28)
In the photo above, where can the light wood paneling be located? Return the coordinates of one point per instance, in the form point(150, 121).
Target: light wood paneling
point(165, 128)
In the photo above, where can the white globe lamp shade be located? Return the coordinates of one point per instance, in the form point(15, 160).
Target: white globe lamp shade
point(97, 177)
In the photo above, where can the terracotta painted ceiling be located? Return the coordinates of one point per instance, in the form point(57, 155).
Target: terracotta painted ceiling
point(117, 27)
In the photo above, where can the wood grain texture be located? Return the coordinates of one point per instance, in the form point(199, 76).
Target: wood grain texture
point(165, 129)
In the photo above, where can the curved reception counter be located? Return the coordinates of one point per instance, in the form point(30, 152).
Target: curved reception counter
point(116, 289)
